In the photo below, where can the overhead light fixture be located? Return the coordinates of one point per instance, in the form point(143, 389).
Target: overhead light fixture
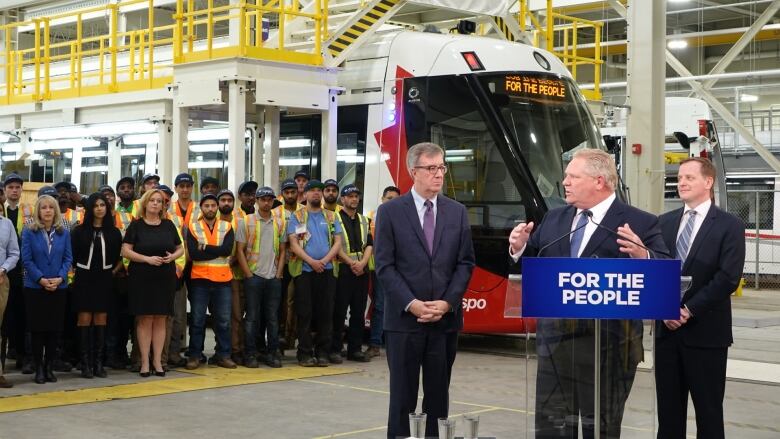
point(140, 139)
point(678, 1)
point(677, 44)
point(208, 147)
point(744, 97)
point(295, 143)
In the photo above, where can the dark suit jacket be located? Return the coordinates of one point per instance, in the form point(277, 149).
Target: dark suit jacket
point(715, 261)
point(39, 262)
point(407, 271)
point(602, 244)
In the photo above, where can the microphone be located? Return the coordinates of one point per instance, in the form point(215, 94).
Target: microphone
point(587, 213)
point(651, 251)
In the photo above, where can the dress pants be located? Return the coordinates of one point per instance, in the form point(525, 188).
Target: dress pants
point(432, 350)
point(680, 370)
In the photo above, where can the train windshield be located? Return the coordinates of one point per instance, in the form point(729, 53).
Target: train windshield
point(548, 121)
point(505, 150)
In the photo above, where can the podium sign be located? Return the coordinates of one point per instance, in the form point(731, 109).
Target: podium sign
point(593, 288)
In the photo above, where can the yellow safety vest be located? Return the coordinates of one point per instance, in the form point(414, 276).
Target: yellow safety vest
point(181, 261)
point(253, 251)
point(73, 216)
point(364, 228)
point(217, 269)
point(134, 211)
point(25, 216)
point(302, 215)
point(193, 211)
point(237, 219)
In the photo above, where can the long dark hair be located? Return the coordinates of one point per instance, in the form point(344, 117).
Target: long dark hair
point(89, 212)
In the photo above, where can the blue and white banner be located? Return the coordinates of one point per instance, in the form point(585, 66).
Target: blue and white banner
point(593, 288)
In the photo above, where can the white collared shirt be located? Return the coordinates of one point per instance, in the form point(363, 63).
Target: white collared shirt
point(599, 211)
point(701, 213)
point(419, 203)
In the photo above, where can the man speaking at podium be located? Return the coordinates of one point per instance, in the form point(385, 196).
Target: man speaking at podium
point(594, 224)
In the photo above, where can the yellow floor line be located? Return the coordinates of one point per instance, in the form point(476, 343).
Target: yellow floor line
point(200, 379)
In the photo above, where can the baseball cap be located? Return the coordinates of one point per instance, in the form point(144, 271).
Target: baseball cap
point(47, 190)
point(265, 191)
point(330, 182)
point(349, 189)
point(73, 187)
point(62, 184)
point(289, 184)
point(166, 189)
point(301, 173)
point(130, 180)
point(208, 197)
point(106, 187)
point(183, 178)
point(148, 177)
point(313, 184)
point(225, 192)
point(248, 187)
point(13, 177)
point(208, 180)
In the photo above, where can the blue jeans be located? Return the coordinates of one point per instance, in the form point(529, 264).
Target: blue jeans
point(377, 315)
point(262, 299)
point(217, 297)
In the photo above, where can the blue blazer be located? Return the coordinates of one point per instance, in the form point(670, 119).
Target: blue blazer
point(39, 262)
point(715, 260)
point(602, 244)
point(407, 271)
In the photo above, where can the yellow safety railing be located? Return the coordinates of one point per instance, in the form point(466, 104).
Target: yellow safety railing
point(143, 59)
point(563, 31)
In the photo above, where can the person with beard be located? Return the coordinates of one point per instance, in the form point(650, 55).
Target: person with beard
point(208, 185)
point(237, 219)
point(210, 244)
point(125, 189)
point(120, 321)
point(247, 196)
point(15, 321)
point(301, 178)
point(77, 200)
point(96, 245)
point(260, 255)
point(67, 207)
point(289, 195)
point(152, 245)
point(315, 238)
point(352, 284)
point(330, 195)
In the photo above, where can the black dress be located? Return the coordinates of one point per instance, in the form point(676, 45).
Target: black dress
point(93, 287)
point(151, 289)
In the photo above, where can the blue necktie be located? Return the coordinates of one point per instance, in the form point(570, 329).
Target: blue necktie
point(684, 240)
point(576, 238)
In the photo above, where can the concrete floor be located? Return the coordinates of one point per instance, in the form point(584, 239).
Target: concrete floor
point(491, 383)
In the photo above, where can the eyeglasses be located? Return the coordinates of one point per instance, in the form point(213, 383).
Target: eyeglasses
point(433, 169)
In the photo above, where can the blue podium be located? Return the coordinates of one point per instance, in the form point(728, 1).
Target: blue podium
point(589, 338)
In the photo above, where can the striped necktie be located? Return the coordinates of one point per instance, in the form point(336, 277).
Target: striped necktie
point(684, 240)
point(576, 238)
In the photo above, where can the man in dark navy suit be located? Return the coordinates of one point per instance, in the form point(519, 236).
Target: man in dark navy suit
point(691, 352)
point(565, 366)
point(424, 261)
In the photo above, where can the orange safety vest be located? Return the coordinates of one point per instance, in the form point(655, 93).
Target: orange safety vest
point(25, 216)
point(237, 219)
point(73, 216)
point(193, 211)
point(217, 269)
point(122, 220)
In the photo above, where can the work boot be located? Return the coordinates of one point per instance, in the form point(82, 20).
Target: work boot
point(193, 363)
point(49, 370)
point(5, 384)
point(40, 376)
point(100, 339)
point(86, 367)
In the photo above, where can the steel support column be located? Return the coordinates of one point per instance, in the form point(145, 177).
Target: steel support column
point(114, 161)
point(271, 122)
point(180, 145)
point(236, 133)
point(329, 147)
point(645, 90)
point(164, 151)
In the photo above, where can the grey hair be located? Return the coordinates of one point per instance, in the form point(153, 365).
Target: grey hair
point(599, 163)
point(421, 149)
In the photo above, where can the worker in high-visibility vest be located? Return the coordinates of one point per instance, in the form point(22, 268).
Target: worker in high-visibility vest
point(209, 185)
point(314, 236)
point(209, 244)
point(68, 209)
point(354, 271)
point(300, 178)
point(236, 217)
point(119, 322)
point(260, 255)
point(125, 190)
point(289, 197)
point(16, 316)
point(375, 340)
point(330, 195)
point(185, 209)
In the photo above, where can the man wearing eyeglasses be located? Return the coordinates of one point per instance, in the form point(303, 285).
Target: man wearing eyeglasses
point(424, 260)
